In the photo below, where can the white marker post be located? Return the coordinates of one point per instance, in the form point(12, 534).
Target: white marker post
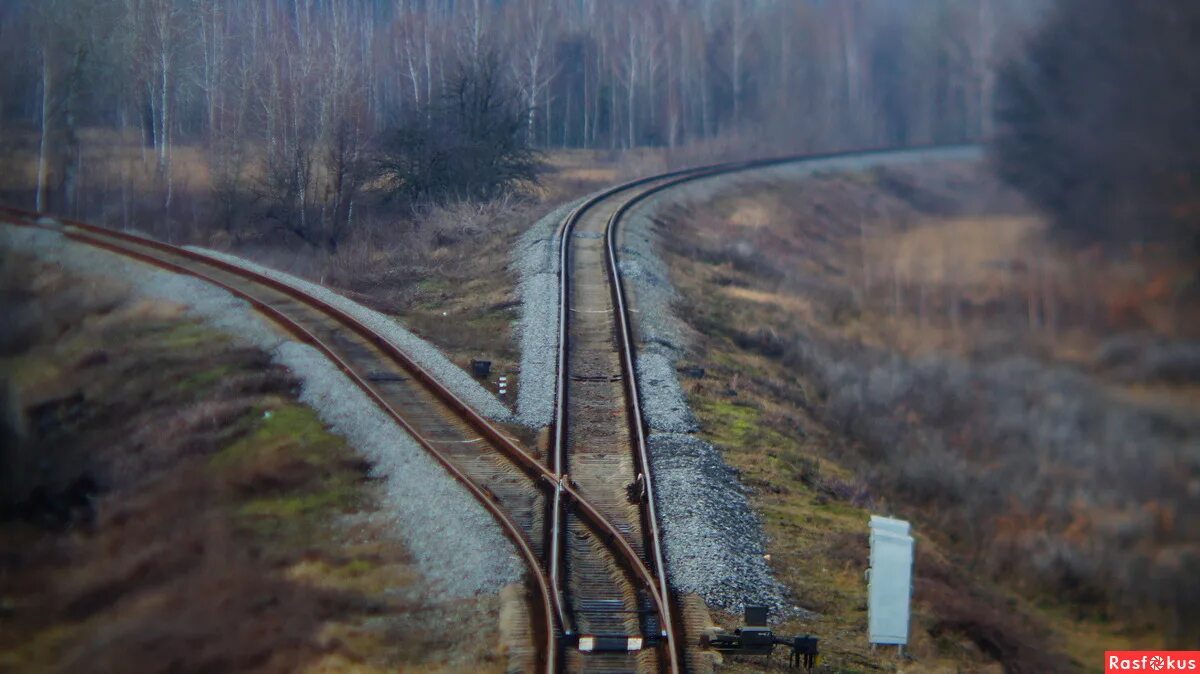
point(502, 386)
point(889, 582)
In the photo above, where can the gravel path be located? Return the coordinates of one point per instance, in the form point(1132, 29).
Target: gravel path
point(460, 550)
point(425, 354)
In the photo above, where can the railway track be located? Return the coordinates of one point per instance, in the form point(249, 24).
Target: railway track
point(599, 441)
point(599, 446)
point(510, 482)
point(584, 521)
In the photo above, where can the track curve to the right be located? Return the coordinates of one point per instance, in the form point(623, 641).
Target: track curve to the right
point(599, 441)
point(584, 518)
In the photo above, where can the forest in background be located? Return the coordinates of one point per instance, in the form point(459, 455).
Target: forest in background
point(1096, 122)
point(287, 122)
point(275, 110)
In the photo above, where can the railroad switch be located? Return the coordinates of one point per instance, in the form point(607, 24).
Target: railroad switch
point(756, 638)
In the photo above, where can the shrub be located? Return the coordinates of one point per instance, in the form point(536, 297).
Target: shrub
point(1057, 480)
point(470, 144)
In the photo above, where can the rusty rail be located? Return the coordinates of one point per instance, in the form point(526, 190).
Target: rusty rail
point(626, 345)
point(546, 586)
point(510, 527)
point(550, 604)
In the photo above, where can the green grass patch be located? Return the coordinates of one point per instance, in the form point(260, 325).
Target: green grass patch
point(28, 371)
point(181, 335)
point(332, 499)
point(290, 475)
point(289, 427)
point(737, 424)
point(204, 378)
point(433, 286)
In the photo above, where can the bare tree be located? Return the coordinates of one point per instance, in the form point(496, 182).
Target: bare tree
point(530, 65)
point(64, 50)
point(289, 94)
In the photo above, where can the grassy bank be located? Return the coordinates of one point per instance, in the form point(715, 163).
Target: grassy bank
point(169, 505)
point(908, 341)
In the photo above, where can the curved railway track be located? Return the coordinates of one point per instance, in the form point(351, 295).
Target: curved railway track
point(599, 446)
point(510, 482)
point(599, 441)
point(586, 525)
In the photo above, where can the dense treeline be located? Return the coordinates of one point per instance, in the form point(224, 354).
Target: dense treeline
point(1099, 121)
point(297, 92)
point(590, 73)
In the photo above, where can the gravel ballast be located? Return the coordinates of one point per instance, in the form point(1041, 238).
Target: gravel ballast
point(713, 539)
point(536, 262)
point(458, 547)
point(425, 354)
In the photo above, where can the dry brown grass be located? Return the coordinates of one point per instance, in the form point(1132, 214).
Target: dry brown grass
point(977, 271)
point(815, 506)
point(793, 304)
point(110, 159)
point(905, 266)
point(442, 269)
point(863, 372)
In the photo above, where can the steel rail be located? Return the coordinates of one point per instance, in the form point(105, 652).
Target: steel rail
point(638, 428)
point(510, 527)
point(552, 479)
point(610, 536)
point(627, 349)
point(658, 589)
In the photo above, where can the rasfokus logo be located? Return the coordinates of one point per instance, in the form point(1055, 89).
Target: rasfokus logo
point(1151, 661)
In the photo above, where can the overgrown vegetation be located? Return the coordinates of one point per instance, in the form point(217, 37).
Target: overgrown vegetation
point(915, 327)
point(815, 508)
point(263, 122)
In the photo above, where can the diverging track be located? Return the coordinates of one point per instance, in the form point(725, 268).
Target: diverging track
point(512, 484)
point(586, 524)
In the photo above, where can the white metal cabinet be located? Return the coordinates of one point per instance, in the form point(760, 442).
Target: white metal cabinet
point(889, 586)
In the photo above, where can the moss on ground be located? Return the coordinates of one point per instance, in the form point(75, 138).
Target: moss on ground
point(815, 541)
